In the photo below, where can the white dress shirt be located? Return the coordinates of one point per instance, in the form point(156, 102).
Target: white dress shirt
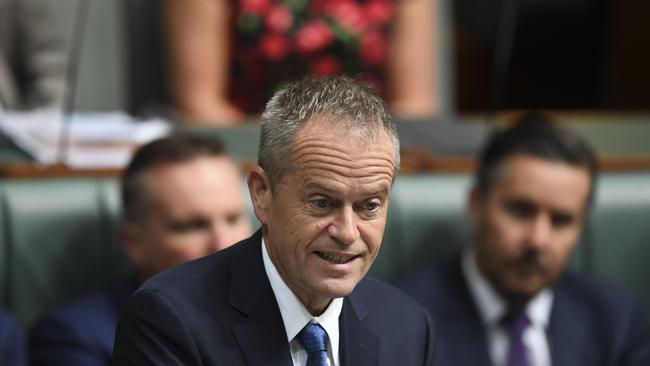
point(492, 308)
point(295, 316)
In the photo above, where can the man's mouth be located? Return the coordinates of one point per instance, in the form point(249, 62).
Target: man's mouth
point(335, 258)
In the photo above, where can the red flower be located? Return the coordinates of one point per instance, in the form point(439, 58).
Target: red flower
point(257, 7)
point(372, 49)
point(348, 14)
point(273, 47)
point(378, 11)
point(279, 19)
point(313, 36)
point(326, 66)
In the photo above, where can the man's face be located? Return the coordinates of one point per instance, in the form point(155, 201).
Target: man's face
point(528, 224)
point(323, 222)
point(195, 208)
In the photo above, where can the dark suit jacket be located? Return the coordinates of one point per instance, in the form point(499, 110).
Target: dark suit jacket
point(590, 324)
point(221, 310)
point(12, 343)
point(81, 333)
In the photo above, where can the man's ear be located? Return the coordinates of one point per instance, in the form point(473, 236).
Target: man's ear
point(474, 206)
point(131, 242)
point(260, 191)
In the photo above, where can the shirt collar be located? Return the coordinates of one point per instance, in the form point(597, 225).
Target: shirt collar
point(294, 314)
point(491, 306)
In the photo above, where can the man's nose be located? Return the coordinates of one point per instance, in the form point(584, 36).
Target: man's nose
point(218, 239)
point(344, 227)
point(540, 232)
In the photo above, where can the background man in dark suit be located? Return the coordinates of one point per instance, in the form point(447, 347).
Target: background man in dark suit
point(182, 199)
point(12, 346)
point(294, 293)
point(508, 300)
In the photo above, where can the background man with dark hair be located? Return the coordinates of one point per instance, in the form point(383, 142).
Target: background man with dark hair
point(507, 299)
point(181, 199)
point(294, 293)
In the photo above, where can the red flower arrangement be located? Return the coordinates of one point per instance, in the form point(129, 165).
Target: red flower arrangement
point(290, 38)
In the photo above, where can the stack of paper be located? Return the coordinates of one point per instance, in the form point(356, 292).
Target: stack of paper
point(83, 140)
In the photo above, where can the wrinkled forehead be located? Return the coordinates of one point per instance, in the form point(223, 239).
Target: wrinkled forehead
point(351, 136)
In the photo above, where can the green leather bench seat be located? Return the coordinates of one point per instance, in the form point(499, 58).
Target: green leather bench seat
point(59, 237)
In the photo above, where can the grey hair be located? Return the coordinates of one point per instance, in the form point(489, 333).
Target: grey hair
point(341, 99)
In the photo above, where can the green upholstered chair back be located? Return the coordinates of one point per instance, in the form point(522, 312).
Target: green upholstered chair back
point(59, 237)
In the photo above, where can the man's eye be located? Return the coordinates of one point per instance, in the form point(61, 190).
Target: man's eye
point(181, 227)
point(560, 220)
point(372, 206)
point(320, 203)
point(520, 209)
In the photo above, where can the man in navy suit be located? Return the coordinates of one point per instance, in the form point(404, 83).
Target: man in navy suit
point(507, 298)
point(12, 346)
point(182, 199)
point(294, 293)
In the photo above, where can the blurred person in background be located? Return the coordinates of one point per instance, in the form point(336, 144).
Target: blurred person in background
point(508, 298)
point(182, 199)
point(227, 57)
point(12, 342)
point(32, 56)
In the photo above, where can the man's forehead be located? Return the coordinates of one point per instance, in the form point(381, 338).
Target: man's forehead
point(555, 183)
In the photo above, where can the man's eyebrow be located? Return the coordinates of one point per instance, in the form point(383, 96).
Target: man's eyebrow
point(383, 190)
point(316, 185)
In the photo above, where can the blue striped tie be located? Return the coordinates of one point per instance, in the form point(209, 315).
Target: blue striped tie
point(314, 338)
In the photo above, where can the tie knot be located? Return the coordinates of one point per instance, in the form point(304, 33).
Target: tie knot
point(515, 320)
point(314, 338)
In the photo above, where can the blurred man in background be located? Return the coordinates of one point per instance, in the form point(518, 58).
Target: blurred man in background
point(508, 298)
point(182, 199)
point(32, 57)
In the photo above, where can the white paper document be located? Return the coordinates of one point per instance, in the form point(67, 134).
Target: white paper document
point(82, 140)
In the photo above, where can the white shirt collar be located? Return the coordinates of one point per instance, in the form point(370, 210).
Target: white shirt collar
point(294, 314)
point(491, 306)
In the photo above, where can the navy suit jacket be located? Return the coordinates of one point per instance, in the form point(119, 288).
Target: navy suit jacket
point(81, 333)
point(590, 324)
point(12, 342)
point(221, 310)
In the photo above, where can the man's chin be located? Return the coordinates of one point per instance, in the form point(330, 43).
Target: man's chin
point(521, 293)
point(334, 288)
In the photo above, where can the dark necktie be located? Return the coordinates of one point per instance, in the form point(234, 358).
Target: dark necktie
point(314, 338)
point(515, 323)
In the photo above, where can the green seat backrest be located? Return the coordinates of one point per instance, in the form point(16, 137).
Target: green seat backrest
point(425, 221)
point(60, 239)
point(619, 234)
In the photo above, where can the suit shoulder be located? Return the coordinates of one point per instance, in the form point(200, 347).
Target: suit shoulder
point(194, 273)
point(434, 281)
point(83, 311)
point(593, 293)
point(385, 297)
point(9, 327)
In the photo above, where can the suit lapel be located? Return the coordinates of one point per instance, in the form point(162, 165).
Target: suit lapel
point(357, 345)
point(463, 323)
point(260, 335)
point(568, 334)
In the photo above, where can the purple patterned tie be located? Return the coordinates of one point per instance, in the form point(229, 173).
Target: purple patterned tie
point(314, 338)
point(515, 323)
